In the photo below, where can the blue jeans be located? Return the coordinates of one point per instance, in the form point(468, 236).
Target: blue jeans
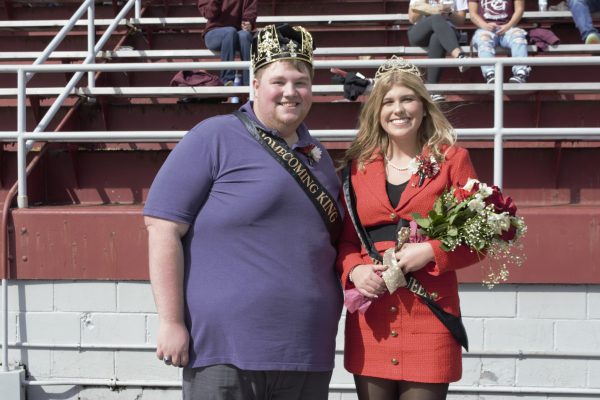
point(228, 40)
point(515, 39)
point(582, 15)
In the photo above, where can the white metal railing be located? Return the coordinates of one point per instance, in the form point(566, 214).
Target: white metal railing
point(497, 132)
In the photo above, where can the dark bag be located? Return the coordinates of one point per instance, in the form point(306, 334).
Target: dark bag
point(195, 78)
point(452, 322)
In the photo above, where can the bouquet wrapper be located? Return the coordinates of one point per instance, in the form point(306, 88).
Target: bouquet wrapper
point(353, 301)
point(393, 276)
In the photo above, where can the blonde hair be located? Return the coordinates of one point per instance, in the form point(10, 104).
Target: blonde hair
point(435, 129)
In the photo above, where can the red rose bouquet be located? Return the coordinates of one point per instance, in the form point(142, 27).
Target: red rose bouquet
point(479, 216)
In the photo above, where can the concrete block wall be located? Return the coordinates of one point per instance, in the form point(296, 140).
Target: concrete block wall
point(536, 341)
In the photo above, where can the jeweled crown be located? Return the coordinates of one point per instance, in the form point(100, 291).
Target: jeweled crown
point(283, 42)
point(397, 64)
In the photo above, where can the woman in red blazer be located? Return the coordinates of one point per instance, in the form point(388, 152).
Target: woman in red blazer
point(398, 349)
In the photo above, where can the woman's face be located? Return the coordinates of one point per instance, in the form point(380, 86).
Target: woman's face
point(401, 114)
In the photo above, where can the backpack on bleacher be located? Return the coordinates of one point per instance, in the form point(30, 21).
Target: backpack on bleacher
point(197, 78)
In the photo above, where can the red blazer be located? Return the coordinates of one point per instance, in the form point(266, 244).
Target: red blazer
point(398, 337)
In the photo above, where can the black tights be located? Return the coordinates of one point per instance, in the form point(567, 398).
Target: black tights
point(438, 36)
point(369, 388)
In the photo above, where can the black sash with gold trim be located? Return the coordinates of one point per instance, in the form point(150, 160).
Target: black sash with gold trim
point(323, 201)
point(450, 321)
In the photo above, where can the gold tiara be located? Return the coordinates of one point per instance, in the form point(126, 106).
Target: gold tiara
point(283, 42)
point(397, 64)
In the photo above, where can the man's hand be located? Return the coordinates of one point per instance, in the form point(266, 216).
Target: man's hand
point(172, 344)
point(502, 29)
point(247, 26)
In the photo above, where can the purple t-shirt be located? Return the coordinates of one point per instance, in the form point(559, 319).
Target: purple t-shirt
point(260, 284)
point(499, 11)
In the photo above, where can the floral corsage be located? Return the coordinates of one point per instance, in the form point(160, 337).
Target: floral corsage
point(425, 167)
point(312, 152)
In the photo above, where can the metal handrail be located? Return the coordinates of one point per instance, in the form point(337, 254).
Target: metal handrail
point(497, 131)
point(23, 76)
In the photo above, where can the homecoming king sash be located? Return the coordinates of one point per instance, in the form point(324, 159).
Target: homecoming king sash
point(317, 193)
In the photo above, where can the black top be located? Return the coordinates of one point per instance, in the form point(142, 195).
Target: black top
point(383, 233)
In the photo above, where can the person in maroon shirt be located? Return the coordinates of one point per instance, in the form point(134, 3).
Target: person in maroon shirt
point(229, 29)
point(497, 26)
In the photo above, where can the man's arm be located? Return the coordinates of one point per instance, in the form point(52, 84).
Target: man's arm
point(165, 253)
point(476, 18)
point(210, 9)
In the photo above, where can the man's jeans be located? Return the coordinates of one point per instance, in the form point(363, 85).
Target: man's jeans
point(515, 39)
point(582, 15)
point(228, 40)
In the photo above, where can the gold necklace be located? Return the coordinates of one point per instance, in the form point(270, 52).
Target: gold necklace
point(397, 168)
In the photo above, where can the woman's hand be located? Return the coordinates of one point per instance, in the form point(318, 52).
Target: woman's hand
point(367, 279)
point(414, 256)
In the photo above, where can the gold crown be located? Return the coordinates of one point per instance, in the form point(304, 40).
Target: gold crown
point(281, 43)
point(397, 64)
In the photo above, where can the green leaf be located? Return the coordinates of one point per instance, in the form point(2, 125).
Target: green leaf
point(422, 222)
point(452, 231)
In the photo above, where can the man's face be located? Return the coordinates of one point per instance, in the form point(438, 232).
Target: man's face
point(282, 97)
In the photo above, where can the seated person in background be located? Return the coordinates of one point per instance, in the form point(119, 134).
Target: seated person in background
point(433, 28)
point(497, 22)
point(229, 29)
point(582, 15)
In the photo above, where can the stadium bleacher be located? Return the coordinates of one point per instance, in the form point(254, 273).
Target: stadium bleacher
point(75, 181)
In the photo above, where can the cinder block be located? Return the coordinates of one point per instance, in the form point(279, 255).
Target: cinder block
point(474, 328)
point(128, 367)
point(113, 329)
point(551, 372)
point(349, 396)
point(30, 296)
point(498, 371)
point(594, 302)
point(96, 296)
point(340, 375)
point(339, 339)
point(594, 373)
point(462, 396)
point(471, 371)
point(581, 336)
point(54, 328)
point(63, 392)
point(479, 301)
point(13, 326)
point(83, 364)
point(36, 361)
point(123, 393)
point(332, 395)
point(161, 394)
point(518, 334)
point(135, 297)
point(552, 302)
point(151, 328)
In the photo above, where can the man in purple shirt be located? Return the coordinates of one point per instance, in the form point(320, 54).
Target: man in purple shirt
point(241, 255)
